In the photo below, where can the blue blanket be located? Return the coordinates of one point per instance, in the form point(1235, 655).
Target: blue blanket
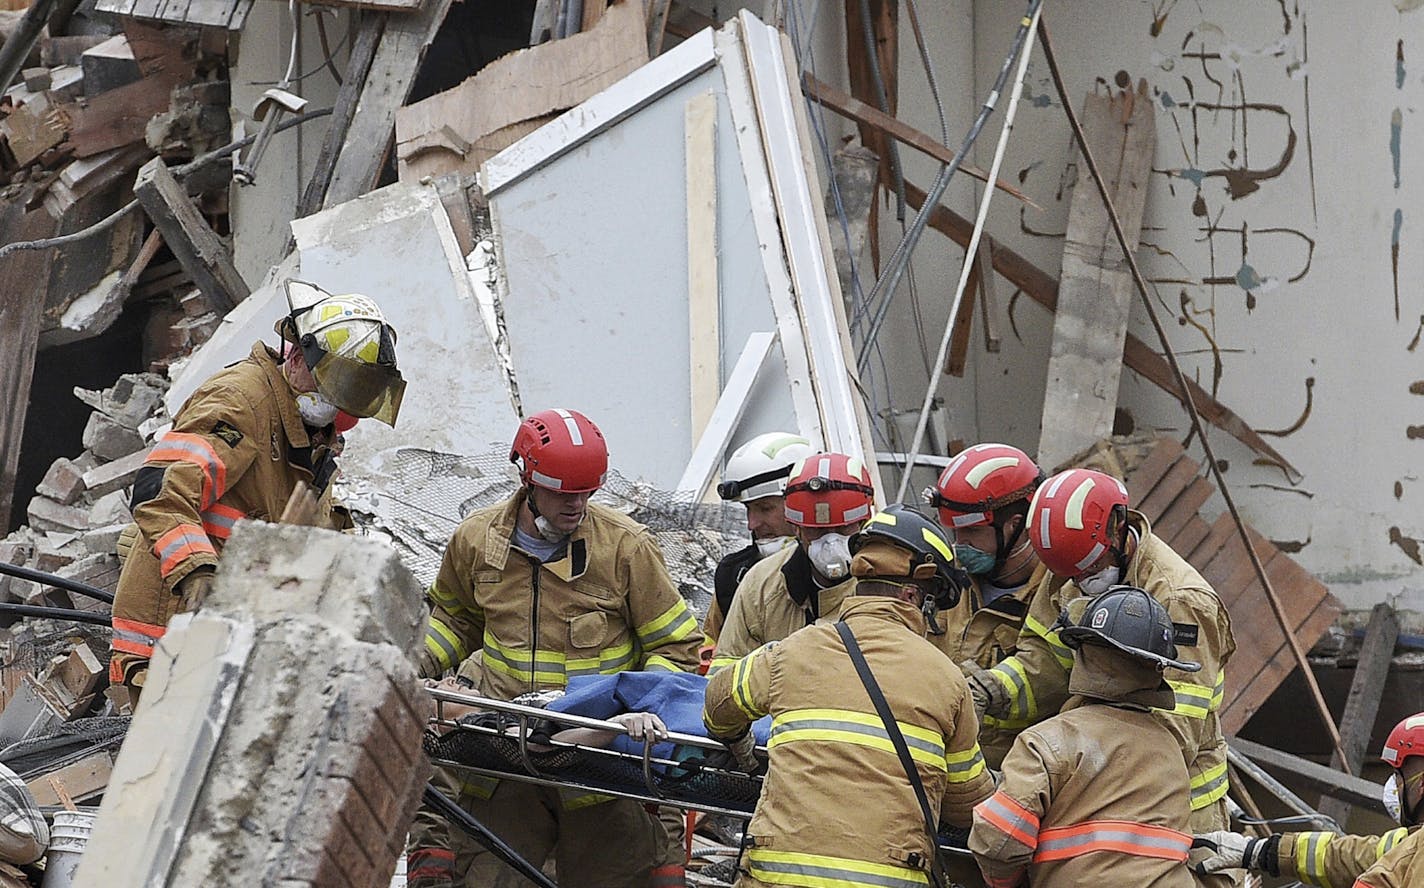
point(675, 697)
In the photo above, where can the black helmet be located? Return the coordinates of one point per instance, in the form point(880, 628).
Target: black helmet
point(929, 555)
point(1127, 618)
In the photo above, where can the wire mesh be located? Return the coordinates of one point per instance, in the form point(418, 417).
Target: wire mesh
point(425, 494)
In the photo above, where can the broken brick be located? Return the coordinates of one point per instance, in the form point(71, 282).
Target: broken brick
point(63, 483)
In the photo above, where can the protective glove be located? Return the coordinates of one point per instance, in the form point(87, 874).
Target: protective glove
point(1229, 850)
point(743, 751)
point(431, 868)
point(643, 725)
point(194, 588)
point(988, 692)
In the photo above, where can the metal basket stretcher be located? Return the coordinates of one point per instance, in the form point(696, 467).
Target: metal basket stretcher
point(688, 782)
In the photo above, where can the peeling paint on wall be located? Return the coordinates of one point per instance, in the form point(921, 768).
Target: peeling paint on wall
point(1408, 6)
point(1304, 414)
point(1394, 264)
point(1396, 125)
point(1408, 545)
point(1418, 333)
point(1291, 547)
point(1399, 64)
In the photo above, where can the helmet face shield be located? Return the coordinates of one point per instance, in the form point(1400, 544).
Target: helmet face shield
point(364, 390)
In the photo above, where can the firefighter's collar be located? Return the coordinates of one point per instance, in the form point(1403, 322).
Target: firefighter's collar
point(571, 566)
point(883, 607)
point(292, 425)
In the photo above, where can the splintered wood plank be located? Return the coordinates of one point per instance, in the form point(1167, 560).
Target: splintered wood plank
point(196, 246)
point(1150, 471)
point(700, 153)
point(1362, 705)
point(1096, 290)
point(1183, 510)
point(119, 116)
point(1217, 536)
point(388, 81)
point(1176, 479)
point(1247, 689)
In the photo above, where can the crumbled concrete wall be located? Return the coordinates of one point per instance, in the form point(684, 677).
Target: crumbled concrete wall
point(278, 739)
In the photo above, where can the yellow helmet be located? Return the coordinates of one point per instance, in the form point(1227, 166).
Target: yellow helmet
point(349, 347)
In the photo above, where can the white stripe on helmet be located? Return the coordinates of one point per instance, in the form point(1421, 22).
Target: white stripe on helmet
point(1043, 530)
point(543, 480)
point(1086, 562)
point(1073, 513)
point(976, 475)
point(569, 423)
point(852, 515)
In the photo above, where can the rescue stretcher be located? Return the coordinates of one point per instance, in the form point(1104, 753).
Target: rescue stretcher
point(692, 779)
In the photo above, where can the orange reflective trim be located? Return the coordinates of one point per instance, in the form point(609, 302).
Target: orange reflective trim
point(116, 672)
point(1008, 816)
point(1120, 836)
point(180, 543)
point(194, 449)
point(1004, 881)
point(133, 637)
point(219, 519)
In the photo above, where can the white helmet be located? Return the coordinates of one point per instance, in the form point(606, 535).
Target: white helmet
point(759, 468)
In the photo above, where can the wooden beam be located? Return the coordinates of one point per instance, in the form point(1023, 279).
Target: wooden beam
point(363, 51)
point(22, 301)
point(1354, 790)
point(958, 357)
point(1361, 707)
point(884, 37)
point(852, 108)
point(657, 25)
point(700, 139)
point(384, 90)
point(196, 246)
point(988, 298)
point(1042, 288)
point(1095, 292)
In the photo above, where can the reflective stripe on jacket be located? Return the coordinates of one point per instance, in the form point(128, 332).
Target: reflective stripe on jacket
point(606, 605)
point(836, 808)
point(765, 608)
point(1400, 867)
point(1087, 798)
point(1331, 861)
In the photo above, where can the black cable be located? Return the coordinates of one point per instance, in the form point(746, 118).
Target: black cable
point(54, 613)
point(49, 579)
point(481, 833)
point(891, 278)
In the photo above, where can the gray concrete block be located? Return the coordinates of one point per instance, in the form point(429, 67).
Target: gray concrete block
point(266, 562)
point(45, 514)
point(111, 508)
point(63, 483)
point(108, 438)
point(103, 540)
point(115, 475)
point(310, 772)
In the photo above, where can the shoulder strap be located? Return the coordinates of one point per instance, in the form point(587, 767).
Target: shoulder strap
point(882, 708)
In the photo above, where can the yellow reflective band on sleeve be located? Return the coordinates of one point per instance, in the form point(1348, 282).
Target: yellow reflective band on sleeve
point(741, 687)
point(1012, 676)
point(444, 644)
point(1310, 848)
point(1218, 692)
point(588, 800)
point(1390, 839)
point(965, 766)
point(1061, 652)
point(1208, 786)
point(659, 663)
point(866, 729)
point(821, 871)
point(448, 601)
point(1005, 724)
point(721, 662)
point(1193, 700)
point(479, 786)
point(672, 625)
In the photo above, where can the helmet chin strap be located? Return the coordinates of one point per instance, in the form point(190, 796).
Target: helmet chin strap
point(546, 530)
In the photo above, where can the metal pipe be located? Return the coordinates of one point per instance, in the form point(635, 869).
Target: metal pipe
point(54, 613)
point(18, 45)
point(49, 579)
point(1278, 789)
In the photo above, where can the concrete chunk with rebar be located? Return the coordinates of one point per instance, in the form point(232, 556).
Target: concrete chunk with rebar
point(277, 741)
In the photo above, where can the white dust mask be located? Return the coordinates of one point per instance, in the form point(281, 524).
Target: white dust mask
point(830, 555)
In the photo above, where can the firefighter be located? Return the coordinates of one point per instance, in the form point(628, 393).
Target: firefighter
point(755, 477)
point(982, 498)
point(1087, 797)
point(547, 585)
point(1392, 860)
point(828, 498)
point(242, 443)
point(1085, 534)
point(837, 807)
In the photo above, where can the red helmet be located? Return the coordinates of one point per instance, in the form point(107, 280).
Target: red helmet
point(560, 450)
point(980, 480)
point(1406, 740)
point(1068, 519)
point(828, 490)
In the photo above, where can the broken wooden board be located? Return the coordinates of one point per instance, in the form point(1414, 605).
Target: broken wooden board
point(1363, 703)
point(229, 14)
point(202, 253)
point(1167, 486)
point(34, 128)
point(372, 5)
point(119, 117)
point(22, 279)
point(459, 129)
point(1095, 291)
point(392, 72)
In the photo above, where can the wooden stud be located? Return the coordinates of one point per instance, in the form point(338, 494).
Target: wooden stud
point(958, 357)
point(1362, 705)
point(988, 298)
point(196, 246)
point(700, 137)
